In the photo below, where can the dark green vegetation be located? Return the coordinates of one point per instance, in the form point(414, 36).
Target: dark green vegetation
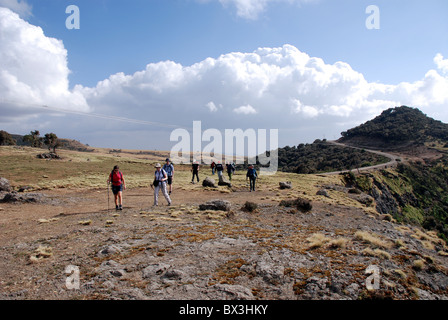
point(396, 127)
point(413, 193)
point(321, 156)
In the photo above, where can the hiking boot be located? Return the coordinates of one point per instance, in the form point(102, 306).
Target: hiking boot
point(116, 207)
point(121, 207)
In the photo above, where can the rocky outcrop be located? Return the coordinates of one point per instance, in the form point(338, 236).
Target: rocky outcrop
point(221, 205)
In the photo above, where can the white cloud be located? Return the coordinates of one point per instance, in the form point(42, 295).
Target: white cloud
point(245, 110)
point(251, 9)
point(33, 69)
point(441, 63)
point(212, 107)
point(281, 88)
point(20, 7)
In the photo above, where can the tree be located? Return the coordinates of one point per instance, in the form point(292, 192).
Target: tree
point(34, 139)
point(6, 139)
point(51, 141)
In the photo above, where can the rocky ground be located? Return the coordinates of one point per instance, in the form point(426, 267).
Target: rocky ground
point(333, 251)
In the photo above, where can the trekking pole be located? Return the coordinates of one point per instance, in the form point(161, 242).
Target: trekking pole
point(108, 197)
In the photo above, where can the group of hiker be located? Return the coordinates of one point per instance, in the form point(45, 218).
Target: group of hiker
point(164, 175)
point(218, 167)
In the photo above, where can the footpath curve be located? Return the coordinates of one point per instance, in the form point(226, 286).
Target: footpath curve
point(394, 159)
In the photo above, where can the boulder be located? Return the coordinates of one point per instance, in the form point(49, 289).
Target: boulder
point(209, 182)
point(4, 185)
point(224, 182)
point(323, 192)
point(221, 205)
point(23, 197)
point(285, 185)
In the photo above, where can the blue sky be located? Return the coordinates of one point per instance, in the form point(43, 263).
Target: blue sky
point(106, 66)
point(133, 33)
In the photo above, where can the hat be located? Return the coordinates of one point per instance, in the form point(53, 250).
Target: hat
point(158, 165)
point(167, 159)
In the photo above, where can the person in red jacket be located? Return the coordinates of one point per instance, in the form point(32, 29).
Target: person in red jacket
point(118, 185)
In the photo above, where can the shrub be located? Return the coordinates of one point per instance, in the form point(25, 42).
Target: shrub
point(250, 206)
point(300, 203)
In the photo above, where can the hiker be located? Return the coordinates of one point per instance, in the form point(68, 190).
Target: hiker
point(118, 185)
point(160, 178)
point(213, 166)
point(230, 170)
point(195, 170)
point(219, 169)
point(169, 169)
point(252, 175)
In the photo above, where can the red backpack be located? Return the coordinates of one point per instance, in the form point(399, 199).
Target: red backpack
point(119, 175)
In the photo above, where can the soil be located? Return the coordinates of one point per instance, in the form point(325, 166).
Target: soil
point(179, 252)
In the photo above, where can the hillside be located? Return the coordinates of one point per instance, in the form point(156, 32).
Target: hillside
point(321, 156)
point(398, 128)
point(275, 252)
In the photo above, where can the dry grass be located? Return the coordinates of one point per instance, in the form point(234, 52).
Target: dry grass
point(418, 264)
point(318, 240)
point(377, 253)
point(372, 239)
point(41, 253)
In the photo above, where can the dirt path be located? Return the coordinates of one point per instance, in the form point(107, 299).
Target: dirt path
point(394, 159)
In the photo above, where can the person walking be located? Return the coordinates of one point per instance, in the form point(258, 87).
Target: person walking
point(219, 169)
point(169, 169)
point(252, 175)
point(213, 166)
point(229, 170)
point(118, 185)
point(195, 170)
point(160, 178)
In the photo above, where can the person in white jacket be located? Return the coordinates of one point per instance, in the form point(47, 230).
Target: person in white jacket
point(160, 178)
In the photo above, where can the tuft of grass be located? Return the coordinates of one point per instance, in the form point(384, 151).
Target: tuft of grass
point(41, 253)
point(377, 253)
point(418, 264)
point(372, 239)
point(317, 240)
point(338, 243)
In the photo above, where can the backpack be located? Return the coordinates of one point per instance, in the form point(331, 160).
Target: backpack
point(168, 169)
point(112, 177)
point(251, 173)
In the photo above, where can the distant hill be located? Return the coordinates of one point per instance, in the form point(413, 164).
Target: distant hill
point(321, 156)
point(67, 144)
point(397, 128)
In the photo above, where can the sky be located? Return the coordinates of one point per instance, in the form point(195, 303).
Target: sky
point(127, 74)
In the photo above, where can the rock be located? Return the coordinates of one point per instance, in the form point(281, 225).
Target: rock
point(209, 182)
point(221, 205)
point(4, 185)
point(270, 273)
point(323, 192)
point(236, 292)
point(109, 250)
point(50, 155)
point(285, 185)
point(173, 274)
point(27, 197)
point(24, 188)
point(155, 269)
point(224, 182)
